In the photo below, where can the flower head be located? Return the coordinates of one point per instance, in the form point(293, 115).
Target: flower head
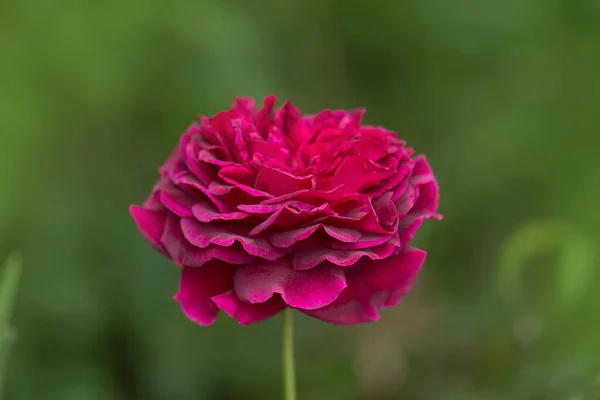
point(270, 209)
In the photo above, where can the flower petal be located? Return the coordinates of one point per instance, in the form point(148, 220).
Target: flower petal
point(245, 105)
point(202, 235)
point(286, 215)
point(248, 313)
point(289, 238)
point(278, 182)
point(205, 213)
point(183, 253)
point(150, 223)
point(428, 197)
point(189, 181)
point(259, 281)
point(373, 285)
point(305, 260)
point(198, 286)
point(366, 240)
point(178, 202)
point(422, 172)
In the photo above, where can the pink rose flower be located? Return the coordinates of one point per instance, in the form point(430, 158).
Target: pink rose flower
point(269, 209)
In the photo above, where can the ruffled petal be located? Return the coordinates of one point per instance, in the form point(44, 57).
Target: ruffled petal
point(178, 202)
point(310, 258)
point(422, 172)
point(371, 286)
point(309, 290)
point(248, 313)
point(197, 288)
point(150, 223)
point(183, 253)
point(202, 235)
point(366, 240)
point(205, 213)
point(246, 106)
point(191, 183)
point(278, 182)
point(286, 215)
point(289, 238)
point(427, 198)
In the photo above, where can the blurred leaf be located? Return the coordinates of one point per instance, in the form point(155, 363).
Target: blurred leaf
point(8, 292)
point(534, 238)
point(574, 266)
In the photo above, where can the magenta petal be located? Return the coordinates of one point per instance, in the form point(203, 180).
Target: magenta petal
point(422, 172)
point(245, 105)
point(258, 229)
point(278, 182)
point(356, 173)
point(345, 235)
point(265, 117)
point(380, 217)
point(259, 281)
point(306, 260)
point(209, 158)
point(177, 202)
point(206, 213)
point(150, 223)
point(191, 146)
point(367, 240)
point(289, 238)
point(271, 208)
point(194, 184)
point(428, 197)
point(202, 235)
point(219, 188)
point(198, 286)
point(386, 212)
point(406, 201)
point(411, 223)
point(247, 313)
point(183, 253)
point(313, 196)
point(373, 285)
point(288, 216)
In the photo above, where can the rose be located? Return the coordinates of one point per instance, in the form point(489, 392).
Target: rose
point(270, 209)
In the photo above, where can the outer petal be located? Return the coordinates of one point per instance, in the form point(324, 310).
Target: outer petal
point(150, 223)
point(197, 288)
point(428, 197)
point(421, 173)
point(245, 105)
point(309, 290)
point(371, 286)
point(247, 313)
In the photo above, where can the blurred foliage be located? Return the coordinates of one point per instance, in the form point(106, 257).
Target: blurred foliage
point(502, 96)
point(8, 291)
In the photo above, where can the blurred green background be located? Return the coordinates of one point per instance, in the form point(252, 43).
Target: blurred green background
point(502, 96)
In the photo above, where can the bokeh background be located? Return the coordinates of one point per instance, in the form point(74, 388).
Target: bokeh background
point(502, 96)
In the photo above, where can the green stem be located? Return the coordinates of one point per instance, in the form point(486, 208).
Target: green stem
point(289, 373)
